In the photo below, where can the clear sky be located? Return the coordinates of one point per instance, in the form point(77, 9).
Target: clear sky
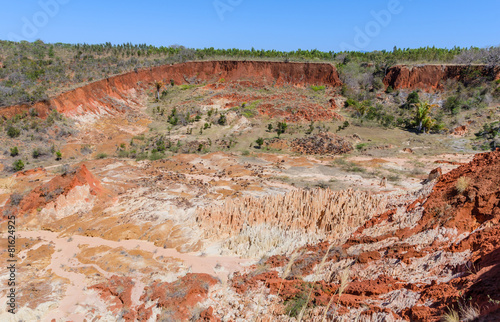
point(279, 24)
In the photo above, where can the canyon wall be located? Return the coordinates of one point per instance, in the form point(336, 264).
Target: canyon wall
point(114, 94)
point(432, 77)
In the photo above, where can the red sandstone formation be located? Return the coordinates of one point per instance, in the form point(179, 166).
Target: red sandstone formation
point(430, 77)
point(460, 130)
point(113, 94)
point(179, 298)
point(312, 211)
point(59, 185)
point(473, 287)
point(434, 174)
point(118, 290)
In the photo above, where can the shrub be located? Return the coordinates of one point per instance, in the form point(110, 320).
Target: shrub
point(462, 184)
point(281, 128)
point(222, 120)
point(33, 112)
point(36, 153)
point(343, 126)
point(102, 155)
point(14, 151)
point(412, 100)
point(295, 305)
point(317, 88)
point(13, 132)
point(360, 146)
point(350, 102)
point(259, 142)
point(173, 120)
point(452, 105)
point(18, 165)
point(58, 155)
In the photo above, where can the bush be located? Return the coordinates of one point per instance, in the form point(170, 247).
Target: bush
point(18, 165)
point(259, 142)
point(343, 126)
point(361, 146)
point(14, 151)
point(412, 100)
point(58, 155)
point(295, 305)
point(350, 102)
point(102, 156)
point(222, 120)
point(452, 105)
point(281, 128)
point(13, 132)
point(33, 112)
point(317, 88)
point(36, 153)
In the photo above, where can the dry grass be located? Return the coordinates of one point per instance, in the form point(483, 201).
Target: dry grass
point(462, 184)
point(344, 281)
point(7, 184)
point(469, 312)
point(451, 316)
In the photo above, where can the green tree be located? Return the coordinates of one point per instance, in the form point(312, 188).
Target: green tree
point(35, 153)
point(259, 142)
point(13, 132)
point(222, 120)
point(18, 165)
point(14, 151)
point(412, 100)
point(58, 155)
point(423, 119)
point(281, 128)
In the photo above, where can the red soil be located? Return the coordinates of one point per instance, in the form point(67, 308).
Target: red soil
point(430, 77)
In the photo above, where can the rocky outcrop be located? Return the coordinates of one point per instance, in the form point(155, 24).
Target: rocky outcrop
point(59, 186)
point(467, 196)
point(431, 77)
point(312, 211)
point(460, 130)
point(428, 257)
point(115, 94)
point(178, 299)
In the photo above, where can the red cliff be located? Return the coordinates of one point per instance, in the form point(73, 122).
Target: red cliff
point(431, 77)
point(113, 94)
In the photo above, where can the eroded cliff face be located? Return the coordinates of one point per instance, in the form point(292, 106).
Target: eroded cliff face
point(431, 77)
point(115, 94)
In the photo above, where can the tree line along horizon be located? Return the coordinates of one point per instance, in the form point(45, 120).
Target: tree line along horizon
point(34, 71)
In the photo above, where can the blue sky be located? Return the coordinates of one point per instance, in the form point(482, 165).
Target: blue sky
point(280, 24)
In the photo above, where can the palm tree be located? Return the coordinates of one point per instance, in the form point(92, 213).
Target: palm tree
point(158, 86)
point(422, 117)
